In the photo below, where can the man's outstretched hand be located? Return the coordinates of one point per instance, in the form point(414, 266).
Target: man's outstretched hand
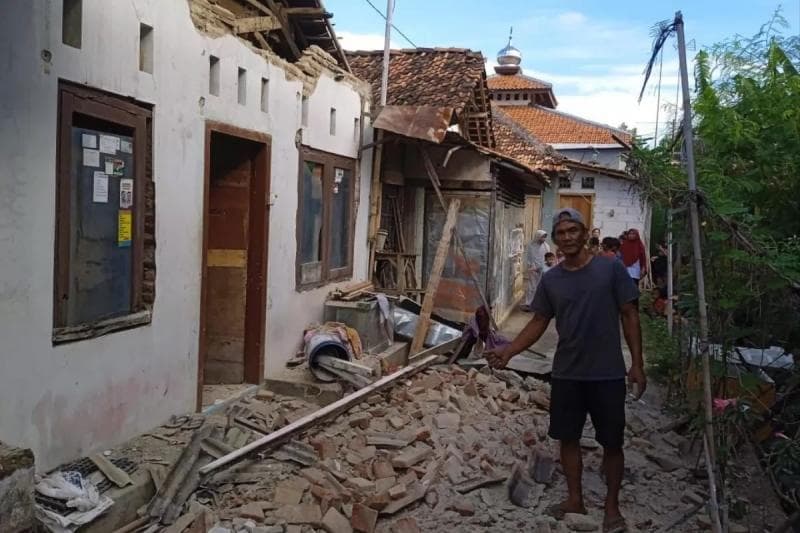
point(499, 357)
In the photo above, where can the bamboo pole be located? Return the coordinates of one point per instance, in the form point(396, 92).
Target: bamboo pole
point(670, 288)
point(694, 218)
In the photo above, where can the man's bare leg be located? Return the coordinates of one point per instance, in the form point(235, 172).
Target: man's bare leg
point(614, 469)
point(572, 463)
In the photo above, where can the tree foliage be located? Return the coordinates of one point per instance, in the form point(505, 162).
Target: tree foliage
point(746, 111)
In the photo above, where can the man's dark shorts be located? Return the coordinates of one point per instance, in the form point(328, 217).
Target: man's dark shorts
point(604, 401)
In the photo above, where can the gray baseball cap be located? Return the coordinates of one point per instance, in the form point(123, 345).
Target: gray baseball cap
point(567, 213)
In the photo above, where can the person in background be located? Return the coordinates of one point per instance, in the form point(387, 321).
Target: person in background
point(534, 263)
point(634, 256)
point(549, 261)
point(596, 234)
point(594, 246)
point(588, 297)
point(610, 247)
point(559, 256)
point(659, 266)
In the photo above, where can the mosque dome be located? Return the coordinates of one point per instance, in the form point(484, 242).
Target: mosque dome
point(508, 59)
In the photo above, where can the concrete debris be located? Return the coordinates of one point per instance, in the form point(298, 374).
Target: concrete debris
point(581, 522)
point(434, 453)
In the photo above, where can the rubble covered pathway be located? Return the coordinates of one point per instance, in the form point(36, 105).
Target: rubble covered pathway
point(431, 453)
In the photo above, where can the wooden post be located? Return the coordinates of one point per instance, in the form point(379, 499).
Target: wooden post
point(435, 277)
point(702, 309)
point(670, 314)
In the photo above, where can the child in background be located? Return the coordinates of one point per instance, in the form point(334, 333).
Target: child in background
point(549, 261)
point(594, 246)
point(559, 256)
point(610, 247)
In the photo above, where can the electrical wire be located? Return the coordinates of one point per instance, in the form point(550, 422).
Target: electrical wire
point(403, 35)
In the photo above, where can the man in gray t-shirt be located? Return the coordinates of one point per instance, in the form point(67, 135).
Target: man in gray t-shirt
point(588, 296)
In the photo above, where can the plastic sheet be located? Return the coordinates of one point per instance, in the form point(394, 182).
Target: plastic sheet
point(458, 297)
point(80, 495)
point(405, 324)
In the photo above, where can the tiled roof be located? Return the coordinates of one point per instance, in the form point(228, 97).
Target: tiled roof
point(554, 127)
point(440, 77)
point(500, 82)
point(513, 141)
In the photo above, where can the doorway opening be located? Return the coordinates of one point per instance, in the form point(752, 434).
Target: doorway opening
point(234, 282)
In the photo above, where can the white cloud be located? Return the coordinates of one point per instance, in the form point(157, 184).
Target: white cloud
point(362, 41)
point(571, 19)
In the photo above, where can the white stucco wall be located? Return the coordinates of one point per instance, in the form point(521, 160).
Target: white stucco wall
point(617, 205)
point(68, 400)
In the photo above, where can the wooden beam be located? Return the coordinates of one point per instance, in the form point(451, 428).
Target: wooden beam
point(262, 41)
point(286, 28)
point(309, 420)
point(260, 6)
point(306, 12)
point(256, 24)
point(435, 277)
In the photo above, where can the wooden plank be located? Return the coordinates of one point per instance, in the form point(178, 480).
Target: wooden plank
point(256, 24)
point(309, 420)
point(347, 366)
point(226, 258)
point(354, 379)
point(261, 41)
point(111, 471)
point(304, 11)
point(435, 277)
point(286, 29)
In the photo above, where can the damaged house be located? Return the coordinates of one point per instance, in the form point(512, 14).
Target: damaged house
point(181, 189)
point(595, 180)
point(436, 146)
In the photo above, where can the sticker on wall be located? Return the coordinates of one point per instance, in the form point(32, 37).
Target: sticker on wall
point(91, 158)
point(115, 167)
point(338, 175)
point(100, 188)
point(109, 144)
point(125, 193)
point(124, 228)
point(88, 140)
point(125, 146)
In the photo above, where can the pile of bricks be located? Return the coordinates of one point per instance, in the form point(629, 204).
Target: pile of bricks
point(430, 442)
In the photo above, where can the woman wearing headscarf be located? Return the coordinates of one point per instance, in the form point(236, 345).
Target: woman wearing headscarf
point(534, 263)
point(633, 255)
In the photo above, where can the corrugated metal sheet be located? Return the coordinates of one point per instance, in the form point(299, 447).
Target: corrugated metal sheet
point(418, 122)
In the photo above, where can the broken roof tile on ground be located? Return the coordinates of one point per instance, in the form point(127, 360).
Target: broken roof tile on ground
point(461, 435)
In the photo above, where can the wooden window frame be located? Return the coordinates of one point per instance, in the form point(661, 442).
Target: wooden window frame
point(95, 104)
point(329, 162)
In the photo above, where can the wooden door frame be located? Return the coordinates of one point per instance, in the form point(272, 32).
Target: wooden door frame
point(590, 222)
point(256, 299)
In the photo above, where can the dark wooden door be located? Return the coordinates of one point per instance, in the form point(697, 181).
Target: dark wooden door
point(234, 290)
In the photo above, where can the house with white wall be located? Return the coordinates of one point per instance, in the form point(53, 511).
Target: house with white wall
point(180, 188)
point(596, 182)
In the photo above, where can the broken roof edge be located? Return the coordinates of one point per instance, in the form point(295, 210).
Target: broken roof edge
point(427, 123)
point(543, 149)
point(600, 169)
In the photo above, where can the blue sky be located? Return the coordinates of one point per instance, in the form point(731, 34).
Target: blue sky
point(592, 52)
